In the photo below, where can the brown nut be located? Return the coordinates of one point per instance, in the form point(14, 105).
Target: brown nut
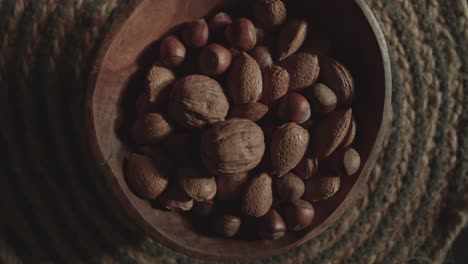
point(203, 208)
point(197, 183)
point(322, 99)
point(218, 23)
point(251, 111)
point(303, 69)
point(322, 187)
point(307, 168)
point(275, 84)
point(181, 146)
point(258, 196)
point(214, 60)
point(338, 79)
point(150, 129)
point(289, 187)
point(242, 35)
point(158, 82)
point(299, 214)
point(344, 162)
point(270, 14)
point(172, 52)
point(244, 81)
point(143, 105)
point(233, 146)
point(294, 108)
point(227, 225)
point(175, 199)
point(271, 226)
point(291, 38)
point(330, 132)
point(231, 186)
point(197, 101)
point(144, 178)
point(288, 147)
point(351, 135)
point(195, 34)
point(262, 55)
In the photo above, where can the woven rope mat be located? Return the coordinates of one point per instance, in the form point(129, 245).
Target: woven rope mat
point(54, 209)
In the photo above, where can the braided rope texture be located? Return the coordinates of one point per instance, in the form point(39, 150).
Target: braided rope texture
point(54, 209)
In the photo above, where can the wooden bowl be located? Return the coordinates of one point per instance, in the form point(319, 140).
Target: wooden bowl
point(357, 42)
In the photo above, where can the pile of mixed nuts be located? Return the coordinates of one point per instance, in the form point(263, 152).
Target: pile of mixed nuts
point(244, 122)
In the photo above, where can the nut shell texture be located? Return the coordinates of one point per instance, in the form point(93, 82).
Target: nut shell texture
point(270, 14)
point(197, 101)
point(291, 38)
point(197, 183)
point(232, 146)
point(244, 81)
point(303, 69)
point(338, 79)
point(158, 82)
point(258, 196)
point(144, 178)
point(331, 131)
point(275, 83)
point(288, 147)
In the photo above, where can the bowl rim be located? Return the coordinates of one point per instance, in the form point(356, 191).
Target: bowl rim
point(134, 214)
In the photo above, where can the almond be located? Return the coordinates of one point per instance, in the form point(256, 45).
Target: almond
point(270, 14)
point(144, 178)
point(288, 146)
point(197, 183)
point(158, 83)
point(150, 129)
point(244, 81)
point(303, 69)
point(251, 111)
point(338, 79)
point(275, 84)
point(291, 38)
point(231, 186)
point(258, 196)
point(330, 132)
point(322, 187)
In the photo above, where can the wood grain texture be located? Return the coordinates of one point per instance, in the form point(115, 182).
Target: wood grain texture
point(361, 47)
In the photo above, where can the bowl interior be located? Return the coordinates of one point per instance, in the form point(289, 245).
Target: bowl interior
point(352, 31)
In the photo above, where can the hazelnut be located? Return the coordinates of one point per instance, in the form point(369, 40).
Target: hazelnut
point(214, 60)
point(294, 108)
point(197, 183)
point(291, 38)
point(271, 226)
point(233, 146)
point(175, 199)
point(144, 178)
point(150, 129)
point(195, 34)
point(262, 55)
point(203, 208)
point(258, 196)
point(218, 23)
point(275, 84)
point(172, 52)
point(322, 187)
point(231, 186)
point(289, 187)
point(251, 111)
point(227, 225)
point(322, 99)
point(270, 14)
point(242, 35)
point(299, 214)
point(307, 168)
point(197, 101)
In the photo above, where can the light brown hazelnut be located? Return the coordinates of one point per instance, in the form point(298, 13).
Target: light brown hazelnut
point(262, 55)
point(195, 34)
point(299, 214)
point(294, 107)
point(172, 52)
point(271, 226)
point(214, 60)
point(242, 35)
point(218, 23)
